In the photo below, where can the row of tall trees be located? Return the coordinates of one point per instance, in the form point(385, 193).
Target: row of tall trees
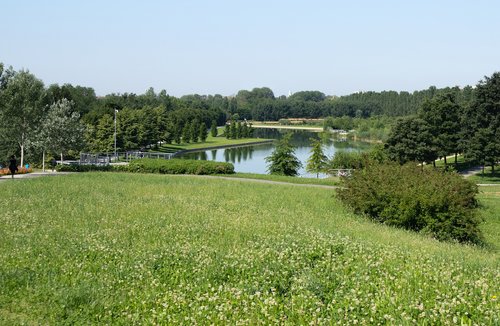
point(28, 122)
point(237, 130)
point(445, 126)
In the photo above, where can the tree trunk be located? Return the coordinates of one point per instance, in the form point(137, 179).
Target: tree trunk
point(445, 163)
point(434, 163)
point(22, 154)
point(21, 144)
point(43, 161)
point(61, 158)
point(493, 168)
point(456, 160)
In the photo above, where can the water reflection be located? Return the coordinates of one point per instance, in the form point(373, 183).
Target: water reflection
point(252, 158)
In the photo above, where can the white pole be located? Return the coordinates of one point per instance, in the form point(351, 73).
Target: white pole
point(115, 132)
point(43, 161)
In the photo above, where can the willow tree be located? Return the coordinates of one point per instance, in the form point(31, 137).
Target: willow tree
point(61, 129)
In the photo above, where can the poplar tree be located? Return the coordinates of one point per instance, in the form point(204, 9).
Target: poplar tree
point(186, 133)
point(244, 130)
point(195, 131)
point(213, 128)
point(233, 130)
point(203, 132)
point(238, 130)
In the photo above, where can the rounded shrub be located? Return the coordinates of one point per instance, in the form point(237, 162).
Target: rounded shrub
point(442, 205)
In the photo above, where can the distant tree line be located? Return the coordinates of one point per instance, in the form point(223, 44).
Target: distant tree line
point(155, 117)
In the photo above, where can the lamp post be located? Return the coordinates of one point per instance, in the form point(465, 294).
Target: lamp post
point(115, 132)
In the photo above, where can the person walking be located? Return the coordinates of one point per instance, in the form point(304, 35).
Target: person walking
point(13, 165)
point(53, 164)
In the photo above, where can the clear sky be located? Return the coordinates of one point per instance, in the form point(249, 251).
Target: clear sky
point(220, 47)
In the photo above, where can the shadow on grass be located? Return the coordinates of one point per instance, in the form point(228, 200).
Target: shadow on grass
point(488, 177)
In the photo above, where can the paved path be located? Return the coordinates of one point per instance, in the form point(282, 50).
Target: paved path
point(471, 171)
point(32, 175)
point(258, 181)
point(51, 174)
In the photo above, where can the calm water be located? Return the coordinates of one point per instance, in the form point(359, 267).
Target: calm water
point(251, 159)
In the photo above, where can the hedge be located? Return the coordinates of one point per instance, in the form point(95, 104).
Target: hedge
point(179, 166)
point(84, 168)
point(147, 165)
point(440, 204)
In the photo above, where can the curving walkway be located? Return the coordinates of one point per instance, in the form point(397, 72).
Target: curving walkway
point(51, 174)
point(32, 175)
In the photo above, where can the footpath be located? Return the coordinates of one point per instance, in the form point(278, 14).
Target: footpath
point(466, 174)
point(32, 175)
point(52, 174)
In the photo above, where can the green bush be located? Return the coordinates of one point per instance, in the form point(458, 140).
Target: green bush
point(178, 166)
point(84, 168)
point(147, 165)
point(429, 201)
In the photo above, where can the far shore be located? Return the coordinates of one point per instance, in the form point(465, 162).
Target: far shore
point(202, 149)
point(298, 127)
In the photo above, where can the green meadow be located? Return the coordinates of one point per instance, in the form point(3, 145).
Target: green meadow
point(117, 248)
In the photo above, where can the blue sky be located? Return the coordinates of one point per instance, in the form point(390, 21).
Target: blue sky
point(220, 47)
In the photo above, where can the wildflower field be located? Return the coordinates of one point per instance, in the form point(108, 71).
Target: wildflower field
point(117, 248)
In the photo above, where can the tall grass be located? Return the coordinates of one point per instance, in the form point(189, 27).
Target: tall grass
point(153, 249)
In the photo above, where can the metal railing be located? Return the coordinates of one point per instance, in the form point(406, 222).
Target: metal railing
point(108, 158)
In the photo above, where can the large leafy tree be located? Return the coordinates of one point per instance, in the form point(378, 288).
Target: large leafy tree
point(22, 109)
point(482, 123)
point(411, 140)
point(283, 160)
point(442, 114)
point(61, 129)
point(317, 161)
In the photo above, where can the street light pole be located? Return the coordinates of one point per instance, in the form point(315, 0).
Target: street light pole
point(115, 132)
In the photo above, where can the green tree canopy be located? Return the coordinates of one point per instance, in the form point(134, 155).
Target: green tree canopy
point(482, 123)
point(282, 160)
point(61, 129)
point(411, 140)
point(442, 114)
point(22, 109)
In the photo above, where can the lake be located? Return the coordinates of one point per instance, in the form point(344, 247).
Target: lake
point(252, 158)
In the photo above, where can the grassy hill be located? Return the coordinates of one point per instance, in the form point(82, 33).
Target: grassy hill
point(149, 249)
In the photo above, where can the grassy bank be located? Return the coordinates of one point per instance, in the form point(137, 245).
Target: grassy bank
point(144, 249)
point(487, 177)
point(293, 127)
point(211, 142)
point(331, 181)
